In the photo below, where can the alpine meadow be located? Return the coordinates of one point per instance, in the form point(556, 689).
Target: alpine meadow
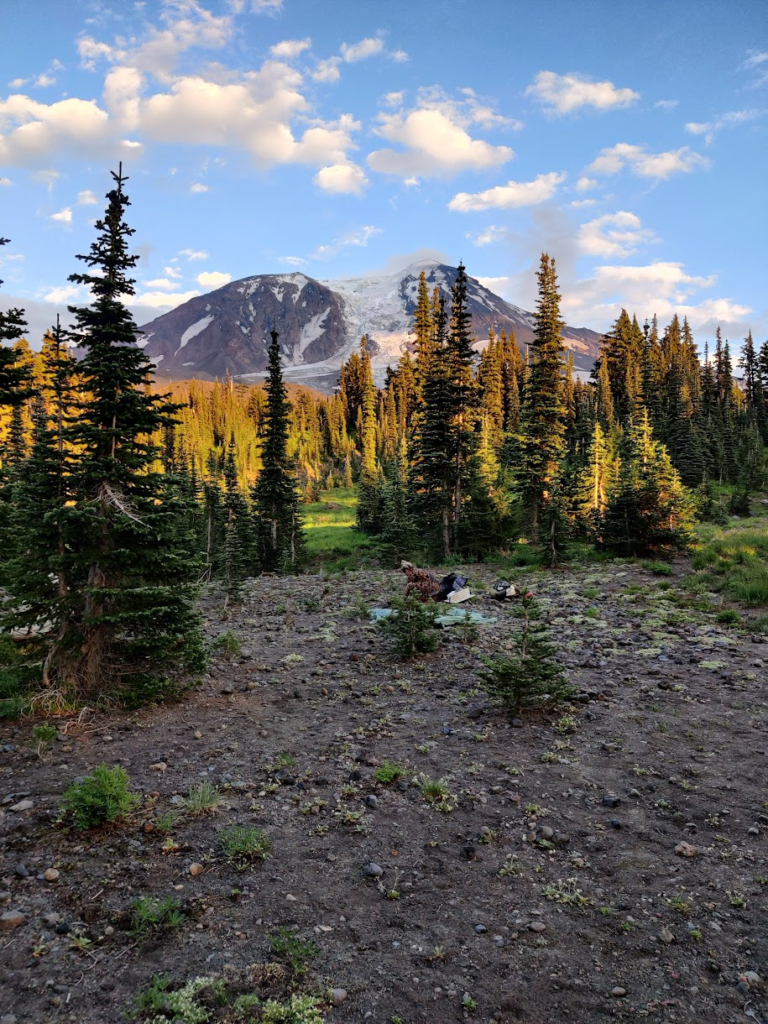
point(383, 531)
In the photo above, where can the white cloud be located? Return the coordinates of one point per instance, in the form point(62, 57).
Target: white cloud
point(435, 139)
point(399, 56)
point(163, 283)
point(756, 61)
point(614, 235)
point(510, 196)
point(327, 70)
point(288, 49)
point(43, 81)
point(357, 238)
point(63, 216)
point(67, 293)
point(341, 178)
point(213, 279)
point(198, 186)
point(173, 272)
point(647, 165)
point(709, 129)
point(34, 132)
point(577, 204)
point(497, 285)
point(17, 83)
point(493, 233)
point(393, 99)
point(666, 104)
point(368, 47)
point(266, 6)
point(194, 254)
point(561, 94)
point(162, 300)
point(87, 198)
point(291, 261)
point(5, 182)
point(585, 184)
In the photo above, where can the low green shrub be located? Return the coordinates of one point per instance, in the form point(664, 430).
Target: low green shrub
point(410, 630)
point(100, 798)
point(243, 844)
point(149, 916)
point(296, 952)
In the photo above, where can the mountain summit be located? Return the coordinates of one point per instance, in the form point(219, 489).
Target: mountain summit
point(320, 324)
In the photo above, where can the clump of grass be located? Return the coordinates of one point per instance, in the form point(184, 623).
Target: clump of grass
point(100, 798)
point(436, 793)
point(388, 771)
point(298, 1010)
point(566, 892)
point(358, 608)
point(204, 798)
point(736, 560)
point(243, 844)
point(657, 568)
point(149, 916)
point(410, 629)
point(294, 951)
point(729, 617)
point(167, 1005)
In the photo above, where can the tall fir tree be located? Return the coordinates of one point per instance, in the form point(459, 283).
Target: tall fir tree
point(543, 418)
point(276, 505)
point(124, 620)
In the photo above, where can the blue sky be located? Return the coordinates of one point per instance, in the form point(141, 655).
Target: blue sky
point(341, 137)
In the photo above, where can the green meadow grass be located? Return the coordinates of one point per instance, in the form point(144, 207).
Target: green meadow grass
point(330, 534)
point(734, 559)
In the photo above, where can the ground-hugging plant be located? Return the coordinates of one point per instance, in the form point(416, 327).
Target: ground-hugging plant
point(410, 629)
point(531, 675)
point(149, 916)
point(243, 844)
point(100, 798)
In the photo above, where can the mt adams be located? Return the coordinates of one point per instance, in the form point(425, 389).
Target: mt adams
point(320, 324)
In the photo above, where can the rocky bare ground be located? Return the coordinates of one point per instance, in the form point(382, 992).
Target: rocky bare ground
point(604, 862)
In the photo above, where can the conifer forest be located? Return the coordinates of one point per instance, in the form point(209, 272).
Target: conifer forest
point(247, 779)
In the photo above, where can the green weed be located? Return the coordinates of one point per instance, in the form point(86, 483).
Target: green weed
point(100, 798)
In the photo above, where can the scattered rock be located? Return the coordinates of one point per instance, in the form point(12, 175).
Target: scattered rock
point(537, 926)
point(10, 920)
point(338, 996)
point(611, 801)
point(666, 936)
point(21, 871)
point(371, 801)
point(685, 850)
point(373, 870)
point(196, 869)
point(22, 805)
point(51, 875)
point(480, 929)
point(159, 766)
point(618, 991)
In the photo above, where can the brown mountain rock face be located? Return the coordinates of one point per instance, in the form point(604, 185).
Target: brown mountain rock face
point(320, 323)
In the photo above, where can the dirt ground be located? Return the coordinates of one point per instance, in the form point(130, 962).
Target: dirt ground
point(606, 865)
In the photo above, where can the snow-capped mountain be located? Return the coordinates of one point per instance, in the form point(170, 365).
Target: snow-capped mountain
point(320, 324)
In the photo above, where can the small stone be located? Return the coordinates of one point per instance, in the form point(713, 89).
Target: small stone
point(753, 830)
point(338, 996)
point(159, 766)
point(371, 801)
point(666, 936)
point(480, 929)
point(197, 734)
point(611, 801)
point(291, 899)
point(537, 926)
point(752, 977)
point(547, 832)
point(62, 929)
point(10, 920)
point(196, 869)
point(109, 930)
point(228, 688)
point(685, 850)
point(742, 987)
point(8, 1018)
point(21, 871)
point(22, 805)
point(618, 992)
point(373, 870)
point(51, 875)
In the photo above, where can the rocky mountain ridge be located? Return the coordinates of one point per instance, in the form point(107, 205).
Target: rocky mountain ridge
point(320, 324)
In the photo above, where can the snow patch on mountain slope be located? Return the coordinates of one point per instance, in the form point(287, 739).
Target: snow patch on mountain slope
point(193, 331)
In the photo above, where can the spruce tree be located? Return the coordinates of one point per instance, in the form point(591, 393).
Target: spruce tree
point(370, 491)
point(543, 424)
point(276, 505)
point(238, 530)
point(124, 620)
point(14, 376)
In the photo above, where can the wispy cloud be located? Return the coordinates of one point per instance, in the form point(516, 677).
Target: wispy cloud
point(732, 119)
point(194, 254)
point(647, 165)
point(359, 237)
point(562, 94)
point(63, 216)
point(213, 279)
point(614, 235)
point(510, 196)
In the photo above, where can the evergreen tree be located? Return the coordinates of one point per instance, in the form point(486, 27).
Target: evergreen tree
point(370, 492)
point(648, 509)
point(238, 529)
point(14, 376)
point(124, 617)
point(276, 506)
point(543, 424)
